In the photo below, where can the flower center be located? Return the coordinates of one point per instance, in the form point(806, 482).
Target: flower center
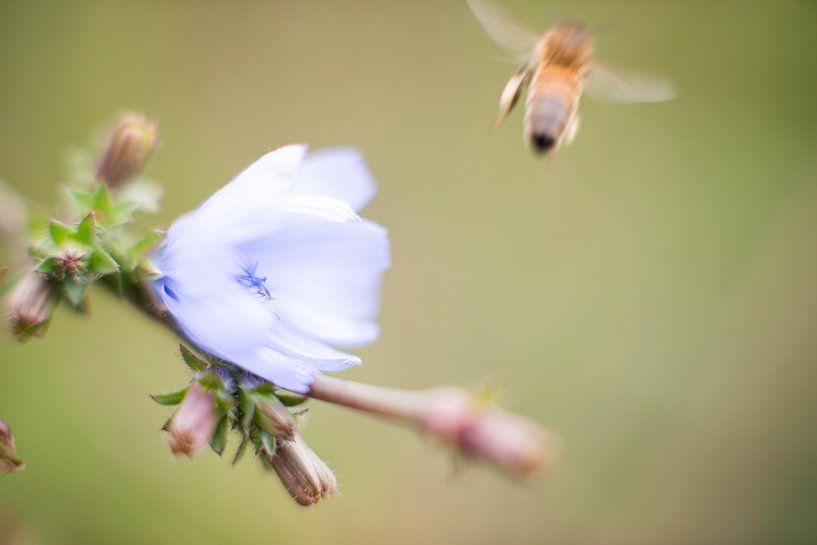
point(254, 282)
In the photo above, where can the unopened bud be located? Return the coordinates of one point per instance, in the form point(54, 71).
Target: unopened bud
point(71, 261)
point(273, 417)
point(511, 442)
point(129, 146)
point(307, 478)
point(194, 423)
point(8, 461)
point(29, 305)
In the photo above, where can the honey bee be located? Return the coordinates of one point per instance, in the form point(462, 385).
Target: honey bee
point(557, 68)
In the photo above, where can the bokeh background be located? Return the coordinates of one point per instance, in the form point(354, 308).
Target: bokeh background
point(651, 294)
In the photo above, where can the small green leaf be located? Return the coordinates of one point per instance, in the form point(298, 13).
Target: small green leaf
point(224, 402)
point(48, 265)
point(74, 292)
point(239, 452)
point(210, 380)
point(247, 406)
point(290, 399)
point(219, 439)
point(102, 201)
point(170, 398)
point(86, 231)
point(101, 262)
point(59, 232)
point(149, 269)
point(80, 201)
point(191, 359)
point(265, 388)
point(144, 244)
point(267, 443)
point(166, 425)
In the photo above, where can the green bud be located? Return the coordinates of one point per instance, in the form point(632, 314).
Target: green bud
point(273, 417)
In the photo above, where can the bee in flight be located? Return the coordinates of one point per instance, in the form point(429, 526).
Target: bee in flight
point(557, 68)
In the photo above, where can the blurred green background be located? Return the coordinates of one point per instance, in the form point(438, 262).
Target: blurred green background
point(651, 294)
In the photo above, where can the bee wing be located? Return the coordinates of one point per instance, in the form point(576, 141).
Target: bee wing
point(608, 85)
point(512, 91)
point(503, 29)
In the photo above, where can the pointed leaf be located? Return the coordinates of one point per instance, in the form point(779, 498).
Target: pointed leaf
point(86, 231)
point(74, 292)
point(242, 447)
point(146, 243)
point(80, 201)
point(219, 439)
point(224, 401)
point(267, 442)
point(59, 232)
point(290, 399)
point(192, 360)
point(102, 201)
point(170, 398)
point(247, 406)
point(48, 265)
point(166, 425)
point(101, 262)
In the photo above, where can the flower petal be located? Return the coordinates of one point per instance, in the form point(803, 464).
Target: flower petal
point(279, 369)
point(264, 182)
point(327, 277)
point(291, 342)
point(337, 172)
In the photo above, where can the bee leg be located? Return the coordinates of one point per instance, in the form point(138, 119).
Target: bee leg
point(570, 131)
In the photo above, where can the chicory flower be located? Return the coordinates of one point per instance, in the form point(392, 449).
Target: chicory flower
point(276, 270)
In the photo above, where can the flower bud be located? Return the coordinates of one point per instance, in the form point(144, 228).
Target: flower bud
point(273, 417)
point(8, 461)
point(29, 305)
point(307, 478)
point(511, 442)
point(194, 423)
point(129, 146)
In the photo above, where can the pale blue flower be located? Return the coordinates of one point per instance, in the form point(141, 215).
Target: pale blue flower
point(276, 269)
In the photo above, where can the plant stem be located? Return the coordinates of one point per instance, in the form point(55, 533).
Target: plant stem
point(389, 402)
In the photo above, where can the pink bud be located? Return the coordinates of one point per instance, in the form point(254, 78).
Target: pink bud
point(29, 305)
point(8, 461)
point(193, 424)
point(129, 146)
point(273, 417)
point(511, 442)
point(306, 477)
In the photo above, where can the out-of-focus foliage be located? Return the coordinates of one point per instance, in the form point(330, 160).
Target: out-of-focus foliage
point(650, 294)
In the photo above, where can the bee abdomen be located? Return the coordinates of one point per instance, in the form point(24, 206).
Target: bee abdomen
point(550, 105)
point(546, 118)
